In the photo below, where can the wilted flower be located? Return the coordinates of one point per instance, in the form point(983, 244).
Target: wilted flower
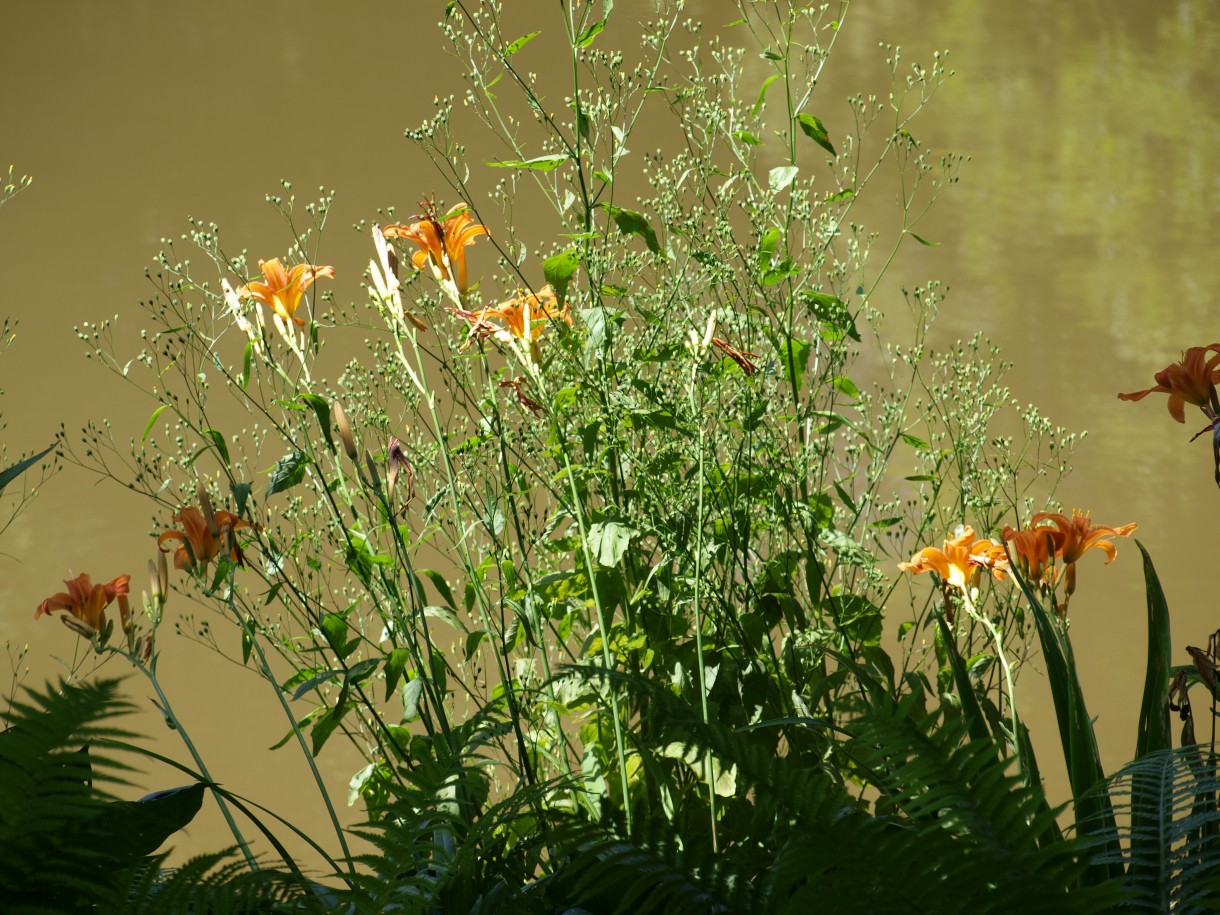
point(743, 359)
point(399, 463)
point(202, 537)
point(442, 243)
point(522, 398)
point(85, 603)
point(281, 289)
point(523, 317)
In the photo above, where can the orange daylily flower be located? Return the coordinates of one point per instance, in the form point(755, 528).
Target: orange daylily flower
point(85, 602)
point(202, 541)
point(959, 561)
point(1078, 535)
point(443, 243)
point(1034, 552)
point(282, 289)
point(1190, 381)
point(543, 307)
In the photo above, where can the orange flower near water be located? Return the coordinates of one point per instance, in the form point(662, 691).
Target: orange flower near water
point(202, 541)
point(1034, 552)
point(959, 561)
point(85, 602)
point(281, 289)
point(542, 307)
point(442, 243)
point(1190, 381)
point(1078, 535)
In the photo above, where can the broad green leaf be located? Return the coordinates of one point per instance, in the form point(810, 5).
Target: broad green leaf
point(746, 137)
point(395, 664)
point(410, 698)
point(520, 43)
point(559, 270)
point(325, 726)
point(287, 473)
point(538, 164)
point(246, 359)
point(815, 130)
point(847, 387)
point(630, 222)
point(781, 177)
point(148, 428)
point(11, 473)
point(322, 410)
point(917, 443)
point(608, 541)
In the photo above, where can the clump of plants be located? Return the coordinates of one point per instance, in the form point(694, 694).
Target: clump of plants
point(593, 546)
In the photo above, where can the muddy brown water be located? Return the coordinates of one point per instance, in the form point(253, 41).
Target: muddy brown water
point(1081, 238)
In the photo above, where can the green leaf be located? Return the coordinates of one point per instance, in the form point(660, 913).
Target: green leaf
point(847, 387)
point(442, 586)
point(539, 164)
point(520, 43)
point(322, 410)
point(288, 472)
point(307, 686)
point(922, 240)
point(815, 130)
point(586, 37)
point(473, 640)
point(917, 443)
point(395, 664)
point(836, 321)
point(1154, 733)
point(410, 698)
point(11, 473)
point(559, 270)
point(762, 94)
point(746, 137)
point(608, 541)
point(793, 357)
point(152, 419)
point(630, 222)
point(218, 442)
point(781, 177)
point(334, 629)
point(246, 358)
point(325, 726)
point(361, 670)
point(247, 643)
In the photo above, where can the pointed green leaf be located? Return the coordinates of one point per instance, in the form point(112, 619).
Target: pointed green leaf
point(520, 43)
point(815, 130)
point(539, 164)
point(11, 473)
point(630, 222)
point(322, 410)
point(762, 94)
point(395, 664)
point(1154, 733)
point(586, 37)
point(288, 472)
point(923, 241)
point(152, 419)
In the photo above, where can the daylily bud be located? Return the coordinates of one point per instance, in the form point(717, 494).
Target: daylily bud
point(345, 430)
point(205, 505)
point(372, 466)
point(163, 575)
point(125, 615)
point(154, 581)
point(80, 627)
